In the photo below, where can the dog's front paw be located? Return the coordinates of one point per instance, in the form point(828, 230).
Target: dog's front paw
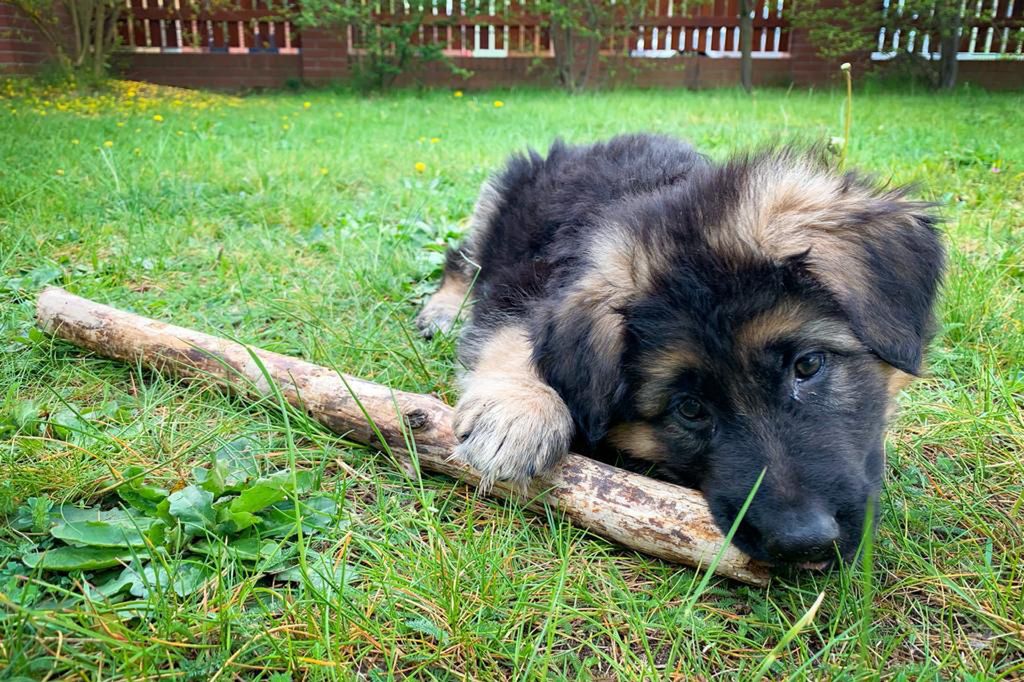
point(437, 317)
point(511, 431)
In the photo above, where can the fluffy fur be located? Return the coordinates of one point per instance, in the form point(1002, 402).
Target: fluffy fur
point(640, 303)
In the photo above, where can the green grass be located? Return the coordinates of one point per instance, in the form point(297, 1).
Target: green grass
point(309, 231)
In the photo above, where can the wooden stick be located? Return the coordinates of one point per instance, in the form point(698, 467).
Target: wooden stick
point(641, 513)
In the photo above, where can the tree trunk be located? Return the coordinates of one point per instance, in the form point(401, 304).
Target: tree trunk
point(641, 513)
point(99, 21)
point(949, 47)
point(747, 44)
point(565, 50)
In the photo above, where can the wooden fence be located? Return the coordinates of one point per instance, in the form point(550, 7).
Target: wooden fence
point(179, 26)
point(992, 30)
point(461, 29)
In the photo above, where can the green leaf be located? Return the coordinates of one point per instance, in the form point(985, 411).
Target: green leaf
point(34, 515)
point(68, 426)
point(427, 627)
point(232, 522)
point(193, 507)
point(184, 577)
point(323, 575)
point(263, 493)
point(234, 465)
point(318, 515)
point(250, 548)
point(34, 279)
point(112, 587)
point(76, 558)
point(110, 534)
point(145, 498)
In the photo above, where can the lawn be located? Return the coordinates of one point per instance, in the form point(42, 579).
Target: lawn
point(312, 224)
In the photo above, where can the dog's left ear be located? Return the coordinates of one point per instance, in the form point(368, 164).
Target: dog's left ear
point(883, 261)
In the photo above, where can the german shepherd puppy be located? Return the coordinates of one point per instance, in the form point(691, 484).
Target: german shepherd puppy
point(635, 300)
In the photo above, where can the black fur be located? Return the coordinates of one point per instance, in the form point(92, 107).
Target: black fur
point(820, 440)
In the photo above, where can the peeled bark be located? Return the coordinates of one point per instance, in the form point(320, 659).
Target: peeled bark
point(650, 516)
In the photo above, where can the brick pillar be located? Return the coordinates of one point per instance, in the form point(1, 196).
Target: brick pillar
point(324, 55)
point(23, 49)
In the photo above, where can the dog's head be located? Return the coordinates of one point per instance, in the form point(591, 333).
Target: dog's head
point(760, 319)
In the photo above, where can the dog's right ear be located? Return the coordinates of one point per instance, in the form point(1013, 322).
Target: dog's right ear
point(578, 347)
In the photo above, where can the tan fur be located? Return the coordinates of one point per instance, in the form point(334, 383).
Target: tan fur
point(793, 206)
point(795, 319)
point(638, 439)
point(511, 423)
point(896, 382)
point(620, 270)
point(444, 305)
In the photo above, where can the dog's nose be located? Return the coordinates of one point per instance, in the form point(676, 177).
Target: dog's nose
point(804, 537)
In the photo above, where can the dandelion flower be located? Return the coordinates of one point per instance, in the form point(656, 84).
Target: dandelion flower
point(137, 151)
point(60, 171)
point(422, 140)
point(158, 118)
point(498, 104)
point(458, 93)
point(420, 167)
point(435, 140)
point(323, 171)
point(74, 141)
point(285, 126)
point(307, 105)
point(120, 124)
point(108, 144)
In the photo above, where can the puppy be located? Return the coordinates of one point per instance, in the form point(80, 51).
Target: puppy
point(637, 301)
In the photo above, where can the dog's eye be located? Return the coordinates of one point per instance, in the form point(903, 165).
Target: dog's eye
point(806, 366)
point(692, 409)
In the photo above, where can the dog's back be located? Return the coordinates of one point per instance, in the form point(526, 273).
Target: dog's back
point(542, 203)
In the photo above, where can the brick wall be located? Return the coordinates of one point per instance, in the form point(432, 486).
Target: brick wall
point(324, 56)
point(22, 49)
point(216, 71)
point(992, 75)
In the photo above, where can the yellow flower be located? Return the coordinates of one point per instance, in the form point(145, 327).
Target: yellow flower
point(458, 93)
point(498, 104)
point(179, 132)
point(307, 105)
point(108, 144)
point(74, 141)
point(435, 140)
point(337, 114)
point(285, 126)
point(158, 118)
point(120, 124)
point(420, 167)
point(323, 171)
point(60, 171)
point(422, 140)
point(137, 151)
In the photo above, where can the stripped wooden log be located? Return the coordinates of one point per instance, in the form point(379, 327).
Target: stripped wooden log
point(650, 516)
